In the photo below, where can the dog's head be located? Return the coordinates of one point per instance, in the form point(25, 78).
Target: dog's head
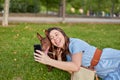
point(45, 43)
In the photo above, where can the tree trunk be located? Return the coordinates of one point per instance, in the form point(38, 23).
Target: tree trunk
point(60, 9)
point(63, 14)
point(112, 9)
point(6, 13)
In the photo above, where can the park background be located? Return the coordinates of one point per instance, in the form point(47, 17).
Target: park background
point(18, 37)
point(84, 8)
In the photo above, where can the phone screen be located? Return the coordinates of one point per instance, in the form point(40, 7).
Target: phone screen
point(37, 47)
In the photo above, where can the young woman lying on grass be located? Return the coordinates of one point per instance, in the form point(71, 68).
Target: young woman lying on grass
point(80, 53)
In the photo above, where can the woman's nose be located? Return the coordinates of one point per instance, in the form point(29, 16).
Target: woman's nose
point(55, 38)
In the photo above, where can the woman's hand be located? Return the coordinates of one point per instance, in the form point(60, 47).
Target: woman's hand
point(41, 57)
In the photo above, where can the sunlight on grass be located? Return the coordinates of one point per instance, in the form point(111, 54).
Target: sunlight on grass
point(16, 48)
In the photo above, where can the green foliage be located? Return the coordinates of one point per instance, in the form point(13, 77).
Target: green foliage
point(93, 6)
point(51, 4)
point(96, 6)
point(1, 5)
point(20, 6)
point(16, 48)
point(76, 4)
point(33, 8)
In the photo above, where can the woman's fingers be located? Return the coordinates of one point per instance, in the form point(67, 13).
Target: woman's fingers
point(38, 58)
point(38, 55)
point(40, 52)
point(41, 57)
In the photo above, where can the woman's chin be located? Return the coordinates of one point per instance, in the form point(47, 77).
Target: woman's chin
point(58, 45)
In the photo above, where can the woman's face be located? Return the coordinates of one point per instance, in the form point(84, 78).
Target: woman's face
point(57, 38)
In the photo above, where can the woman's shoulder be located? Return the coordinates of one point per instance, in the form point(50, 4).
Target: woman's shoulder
point(75, 40)
point(75, 45)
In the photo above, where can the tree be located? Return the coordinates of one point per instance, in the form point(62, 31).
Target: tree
point(63, 10)
point(6, 13)
point(50, 5)
point(114, 2)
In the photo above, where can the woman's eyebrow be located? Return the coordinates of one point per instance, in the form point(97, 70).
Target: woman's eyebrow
point(56, 32)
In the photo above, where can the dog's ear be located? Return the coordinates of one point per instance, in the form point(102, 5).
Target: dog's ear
point(46, 32)
point(39, 36)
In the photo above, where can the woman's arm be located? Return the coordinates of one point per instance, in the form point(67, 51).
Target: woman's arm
point(72, 66)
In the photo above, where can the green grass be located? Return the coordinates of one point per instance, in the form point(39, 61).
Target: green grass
point(16, 48)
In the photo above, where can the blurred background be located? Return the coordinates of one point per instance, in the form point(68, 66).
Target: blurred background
point(72, 8)
point(96, 21)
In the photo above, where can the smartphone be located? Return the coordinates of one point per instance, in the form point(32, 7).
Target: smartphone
point(37, 47)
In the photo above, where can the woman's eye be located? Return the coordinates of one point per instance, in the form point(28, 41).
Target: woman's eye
point(56, 34)
point(51, 37)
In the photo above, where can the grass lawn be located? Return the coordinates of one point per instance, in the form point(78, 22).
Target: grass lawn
point(16, 48)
